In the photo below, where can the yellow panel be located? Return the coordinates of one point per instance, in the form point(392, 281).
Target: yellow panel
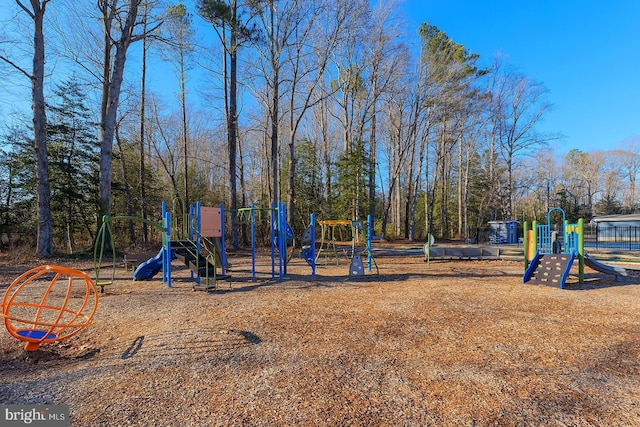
point(531, 250)
point(334, 222)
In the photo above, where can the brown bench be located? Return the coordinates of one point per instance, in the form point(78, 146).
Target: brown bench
point(132, 261)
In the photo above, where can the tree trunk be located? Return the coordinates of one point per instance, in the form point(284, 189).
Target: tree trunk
point(291, 193)
point(45, 233)
point(233, 139)
point(143, 184)
point(461, 235)
point(107, 130)
point(326, 151)
point(443, 180)
point(372, 162)
point(185, 132)
point(275, 164)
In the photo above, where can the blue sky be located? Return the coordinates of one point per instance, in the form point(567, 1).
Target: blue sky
point(587, 53)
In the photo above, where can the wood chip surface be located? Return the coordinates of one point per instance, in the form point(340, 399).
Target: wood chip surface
point(449, 343)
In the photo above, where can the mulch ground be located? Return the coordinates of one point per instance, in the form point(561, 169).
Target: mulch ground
point(449, 343)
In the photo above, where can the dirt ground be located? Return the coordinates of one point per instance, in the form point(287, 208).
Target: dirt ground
point(449, 343)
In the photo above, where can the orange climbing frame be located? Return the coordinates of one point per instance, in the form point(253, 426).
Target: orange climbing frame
point(61, 311)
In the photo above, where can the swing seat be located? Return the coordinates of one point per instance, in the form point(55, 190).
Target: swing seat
point(102, 284)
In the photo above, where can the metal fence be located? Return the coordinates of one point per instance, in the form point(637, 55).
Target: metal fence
point(619, 237)
point(622, 238)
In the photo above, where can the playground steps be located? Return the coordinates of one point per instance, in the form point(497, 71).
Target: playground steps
point(551, 270)
point(186, 251)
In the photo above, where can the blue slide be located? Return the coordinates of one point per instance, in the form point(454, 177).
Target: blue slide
point(150, 268)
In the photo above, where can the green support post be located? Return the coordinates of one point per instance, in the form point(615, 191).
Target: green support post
point(580, 250)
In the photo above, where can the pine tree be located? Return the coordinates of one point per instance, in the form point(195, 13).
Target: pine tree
point(74, 155)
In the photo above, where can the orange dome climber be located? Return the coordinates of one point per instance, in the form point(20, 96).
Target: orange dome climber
point(40, 308)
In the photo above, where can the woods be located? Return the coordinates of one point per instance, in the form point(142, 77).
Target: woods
point(334, 107)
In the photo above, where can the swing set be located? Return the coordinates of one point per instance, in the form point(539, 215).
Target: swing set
point(105, 234)
point(332, 234)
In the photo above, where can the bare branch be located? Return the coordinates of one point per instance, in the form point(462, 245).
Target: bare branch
point(23, 7)
point(16, 66)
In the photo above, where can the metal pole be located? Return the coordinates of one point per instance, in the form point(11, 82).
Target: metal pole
point(223, 255)
point(369, 233)
point(313, 244)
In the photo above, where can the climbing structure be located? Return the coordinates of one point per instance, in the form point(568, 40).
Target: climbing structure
point(551, 269)
point(549, 256)
point(200, 247)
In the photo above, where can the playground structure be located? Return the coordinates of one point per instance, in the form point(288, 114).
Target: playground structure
point(200, 247)
point(282, 241)
point(37, 307)
point(548, 257)
point(331, 235)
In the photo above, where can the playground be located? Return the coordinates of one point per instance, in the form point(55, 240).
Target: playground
point(455, 342)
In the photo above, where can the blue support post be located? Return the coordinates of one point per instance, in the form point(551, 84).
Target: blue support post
point(282, 239)
point(223, 255)
point(273, 240)
point(167, 252)
point(369, 234)
point(191, 234)
point(313, 244)
point(279, 239)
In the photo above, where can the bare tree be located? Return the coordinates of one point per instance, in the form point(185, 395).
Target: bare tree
point(119, 25)
point(143, 103)
point(36, 12)
point(163, 140)
point(181, 44)
point(583, 175)
point(231, 21)
point(308, 56)
point(523, 106)
point(630, 163)
point(385, 56)
point(278, 30)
